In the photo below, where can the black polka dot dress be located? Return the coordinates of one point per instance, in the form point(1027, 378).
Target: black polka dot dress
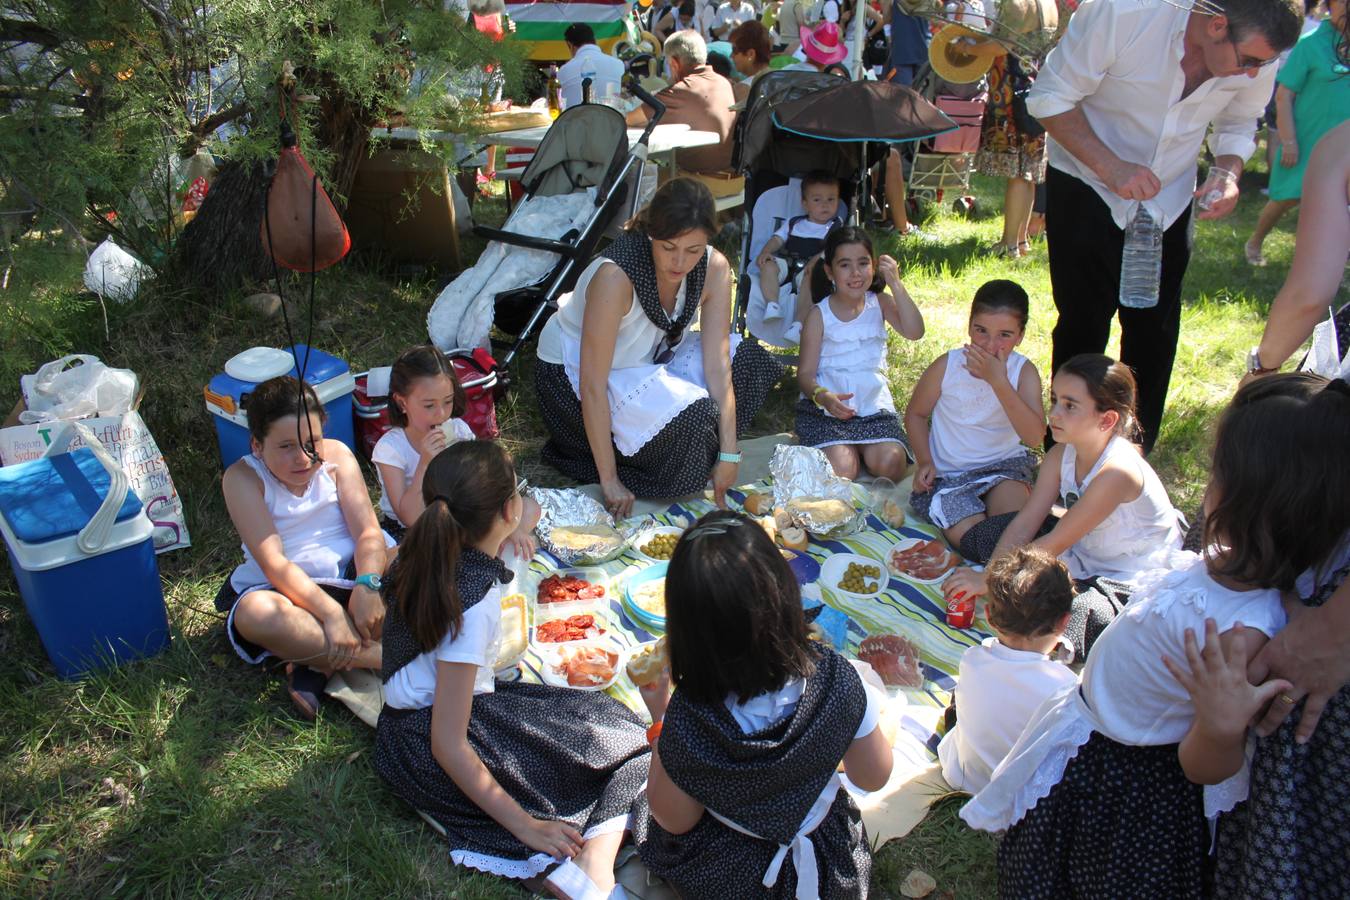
point(1123, 822)
point(766, 782)
point(1291, 838)
point(561, 754)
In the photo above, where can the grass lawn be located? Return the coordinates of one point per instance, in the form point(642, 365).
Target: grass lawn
point(187, 774)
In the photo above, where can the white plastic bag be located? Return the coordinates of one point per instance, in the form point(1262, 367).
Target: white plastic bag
point(113, 272)
point(74, 387)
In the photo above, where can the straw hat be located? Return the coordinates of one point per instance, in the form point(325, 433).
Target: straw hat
point(949, 62)
point(824, 44)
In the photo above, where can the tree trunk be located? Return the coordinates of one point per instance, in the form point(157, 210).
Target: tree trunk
point(221, 249)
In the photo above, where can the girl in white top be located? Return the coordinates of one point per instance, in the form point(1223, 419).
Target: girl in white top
point(1118, 522)
point(846, 407)
point(300, 505)
point(984, 402)
point(744, 792)
point(521, 776)
point(425, 402)
point(1103, 789)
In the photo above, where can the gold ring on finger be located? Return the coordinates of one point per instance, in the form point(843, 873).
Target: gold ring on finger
point(1287, 699)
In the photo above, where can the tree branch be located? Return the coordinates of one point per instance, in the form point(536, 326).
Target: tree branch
point(198, 133)
point(8, 92)
point(28, 32)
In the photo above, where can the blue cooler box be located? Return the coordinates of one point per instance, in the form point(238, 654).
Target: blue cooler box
point(227, 394)
point(91, 609)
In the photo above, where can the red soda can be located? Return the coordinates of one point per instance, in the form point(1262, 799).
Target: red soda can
point(961, 611)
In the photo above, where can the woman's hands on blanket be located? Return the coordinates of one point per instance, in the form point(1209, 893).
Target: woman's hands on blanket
point(618, 499)
point(557, 839)
point(723, 478)
point(1310, 653)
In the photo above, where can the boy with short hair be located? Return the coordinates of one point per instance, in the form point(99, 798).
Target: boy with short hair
point(798, 242)
point(1006, 678)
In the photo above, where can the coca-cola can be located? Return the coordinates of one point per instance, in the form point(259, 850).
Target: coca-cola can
point(961, 612)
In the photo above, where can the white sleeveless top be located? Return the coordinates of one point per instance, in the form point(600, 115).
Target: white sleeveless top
point(638, 338)
point(313, 531)
point(1137, 536)
point(970, 428)
point(853, 357)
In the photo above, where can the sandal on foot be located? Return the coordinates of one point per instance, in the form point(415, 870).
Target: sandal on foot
point(1254, 255)
point(305, 687)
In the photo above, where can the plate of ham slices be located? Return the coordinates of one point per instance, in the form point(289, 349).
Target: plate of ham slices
point(924, 561)
point(584, 666)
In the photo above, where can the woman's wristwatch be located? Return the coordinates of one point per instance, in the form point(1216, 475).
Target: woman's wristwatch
point(729, 457)
point(1254, 366)
point(369, 580)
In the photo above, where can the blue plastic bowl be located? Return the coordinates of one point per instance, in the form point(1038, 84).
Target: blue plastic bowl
point(653, 624)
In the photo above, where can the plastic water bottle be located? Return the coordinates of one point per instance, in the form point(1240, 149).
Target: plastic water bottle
point(1141, 261)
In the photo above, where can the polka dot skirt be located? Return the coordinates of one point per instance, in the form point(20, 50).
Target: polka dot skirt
point(1123, 822)
point(1291, 839)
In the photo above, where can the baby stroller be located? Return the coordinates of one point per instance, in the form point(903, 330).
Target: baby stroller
point(582, 181)
point(944, 163)
point(799, 122)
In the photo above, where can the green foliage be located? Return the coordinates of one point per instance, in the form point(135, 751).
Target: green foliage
point(100, 101)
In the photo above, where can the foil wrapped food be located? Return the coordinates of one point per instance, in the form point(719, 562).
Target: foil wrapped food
point(804, 484)
point(576, 529)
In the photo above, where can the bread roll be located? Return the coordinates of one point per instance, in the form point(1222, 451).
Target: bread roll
point(793, 538)
point(647, 666)
point(758, 504)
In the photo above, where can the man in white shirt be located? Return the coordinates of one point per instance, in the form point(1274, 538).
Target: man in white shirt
point(588, 61)
point(1127, 97)
point(731, 14)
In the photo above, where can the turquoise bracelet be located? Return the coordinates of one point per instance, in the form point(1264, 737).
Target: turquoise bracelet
point(729, 457)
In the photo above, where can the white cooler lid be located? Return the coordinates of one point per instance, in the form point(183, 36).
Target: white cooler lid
point(258, 364)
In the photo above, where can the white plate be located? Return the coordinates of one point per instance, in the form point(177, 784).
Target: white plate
point(549, 656)
point(833, 569)
point(904, 545)
point(646, 535)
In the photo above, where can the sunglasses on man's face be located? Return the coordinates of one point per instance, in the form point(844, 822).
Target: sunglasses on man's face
point(1249, 62)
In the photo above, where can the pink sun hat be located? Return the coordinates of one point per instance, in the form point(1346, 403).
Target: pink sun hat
point(824, 44)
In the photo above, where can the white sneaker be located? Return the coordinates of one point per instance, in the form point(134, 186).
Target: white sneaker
point(793, 333)
point(772, 311)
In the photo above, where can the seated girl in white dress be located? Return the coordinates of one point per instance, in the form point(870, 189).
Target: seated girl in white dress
point(300, 505)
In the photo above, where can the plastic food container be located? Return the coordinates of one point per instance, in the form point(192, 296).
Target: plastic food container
point(648, 621)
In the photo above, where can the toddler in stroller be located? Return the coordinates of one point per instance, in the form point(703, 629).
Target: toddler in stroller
point(797, 243)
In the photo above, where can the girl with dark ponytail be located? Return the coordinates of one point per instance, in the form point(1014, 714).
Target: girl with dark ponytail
point(521, 776)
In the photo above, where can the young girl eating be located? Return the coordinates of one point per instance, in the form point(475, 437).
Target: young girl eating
point(984, 400)
point(846, 407)
point(520, 775)
point(300, 505)
point(1119, 522)
point(744, 796)
point(426, 401)
point(1102, 793)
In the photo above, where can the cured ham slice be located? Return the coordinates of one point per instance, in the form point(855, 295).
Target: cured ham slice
point(893, 657)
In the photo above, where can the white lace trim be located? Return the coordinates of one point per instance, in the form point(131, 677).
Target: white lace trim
point(507, 868)
point(609, 826)
point(1008, 810)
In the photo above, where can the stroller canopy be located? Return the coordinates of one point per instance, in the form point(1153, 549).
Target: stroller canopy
point(758, 148)
point(863, 111)
point(585, 147)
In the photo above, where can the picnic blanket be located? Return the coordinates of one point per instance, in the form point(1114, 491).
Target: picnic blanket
point(904, 607)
